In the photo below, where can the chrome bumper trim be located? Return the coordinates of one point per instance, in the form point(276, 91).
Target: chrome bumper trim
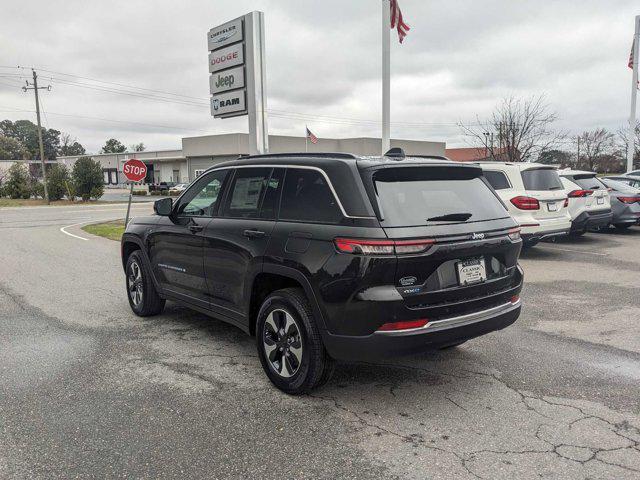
point(459, 321)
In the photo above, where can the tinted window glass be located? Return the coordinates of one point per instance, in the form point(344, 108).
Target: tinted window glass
point(541, 179)
point(272, 195)
point(618, 186)
point(202, 198)
point(418, 196)
point(588, 182)
point(246, 191)
point(307, 198)
point(498, 180)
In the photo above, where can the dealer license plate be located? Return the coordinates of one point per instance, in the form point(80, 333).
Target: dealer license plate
point(553, 207)
point(471, 271)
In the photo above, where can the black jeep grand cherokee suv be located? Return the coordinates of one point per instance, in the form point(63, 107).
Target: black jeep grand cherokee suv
point(332, 256)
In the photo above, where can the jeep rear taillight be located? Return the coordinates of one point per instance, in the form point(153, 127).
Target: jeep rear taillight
point(382, 247)
point(526, 203)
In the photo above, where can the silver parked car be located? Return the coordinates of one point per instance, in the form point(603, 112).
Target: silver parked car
point(625, 203)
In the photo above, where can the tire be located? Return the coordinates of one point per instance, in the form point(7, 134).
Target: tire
point(578, 233)
point(622, 226)
point(141, 292)
point(294, 359)
point(453, 345)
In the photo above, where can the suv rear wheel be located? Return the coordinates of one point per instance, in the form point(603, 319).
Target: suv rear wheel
point(289, 343)
point(141, 292)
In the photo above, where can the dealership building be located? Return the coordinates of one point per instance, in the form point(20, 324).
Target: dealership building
point(199, 153)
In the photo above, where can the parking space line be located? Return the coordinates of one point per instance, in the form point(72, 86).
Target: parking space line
point(575, 251)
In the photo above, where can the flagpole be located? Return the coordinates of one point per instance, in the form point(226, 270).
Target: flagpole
point(634, 96)
point(386, 76)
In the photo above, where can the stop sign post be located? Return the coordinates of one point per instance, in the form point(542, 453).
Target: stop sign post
point(135, 171)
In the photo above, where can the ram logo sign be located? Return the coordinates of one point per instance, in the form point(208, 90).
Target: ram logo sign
point(228, 103)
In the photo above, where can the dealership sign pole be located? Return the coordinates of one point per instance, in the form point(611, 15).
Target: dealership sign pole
point(135, 171)
point(633, 63)
point(238, 81)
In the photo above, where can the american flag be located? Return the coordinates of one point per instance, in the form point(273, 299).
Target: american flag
point(312, 138)
point(631, 55)
point(397, 22)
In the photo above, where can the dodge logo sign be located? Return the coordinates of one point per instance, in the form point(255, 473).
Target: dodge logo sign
point(226, 57)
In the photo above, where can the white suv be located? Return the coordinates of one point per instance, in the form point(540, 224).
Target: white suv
point(534, 196)
point(589, 201)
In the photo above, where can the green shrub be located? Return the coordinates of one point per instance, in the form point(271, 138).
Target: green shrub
point(57, 178)
point(155, 193)
point(17, 181)
point(174, 193)
point(36, 189)
point(88, 179)
point(139, 193)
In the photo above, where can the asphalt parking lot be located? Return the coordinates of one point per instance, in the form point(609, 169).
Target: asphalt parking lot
point(88, 390)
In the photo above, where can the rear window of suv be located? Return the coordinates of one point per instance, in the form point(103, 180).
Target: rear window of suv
point(541, 179)
point(413, 196)
point(589, 182)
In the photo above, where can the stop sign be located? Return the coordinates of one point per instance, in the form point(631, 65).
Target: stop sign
point(134, 170)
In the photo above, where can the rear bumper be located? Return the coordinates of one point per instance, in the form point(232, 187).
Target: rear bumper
point(533, 238)
point(434, 335)
point(591, 220)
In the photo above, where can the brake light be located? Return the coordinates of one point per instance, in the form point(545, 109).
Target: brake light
point(580, 193)
point(514, 234)
point(406, 325)
point(526, 203)
point(629, 199)
point(383, 247)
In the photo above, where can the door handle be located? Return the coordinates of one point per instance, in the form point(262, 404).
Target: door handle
point(253, 234)
point(195, 228)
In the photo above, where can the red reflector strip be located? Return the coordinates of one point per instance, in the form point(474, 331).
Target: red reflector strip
point(515, 299)
point(406, 325)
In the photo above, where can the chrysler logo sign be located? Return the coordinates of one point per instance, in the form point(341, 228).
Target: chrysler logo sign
point(226, 34)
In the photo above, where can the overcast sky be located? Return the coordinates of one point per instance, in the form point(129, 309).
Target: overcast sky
point(323, 65)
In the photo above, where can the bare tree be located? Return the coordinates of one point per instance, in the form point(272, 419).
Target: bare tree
point(518, 130)
point(623, 142)
point(594, 145)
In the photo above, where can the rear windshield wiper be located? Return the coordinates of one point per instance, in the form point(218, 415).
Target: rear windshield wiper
point(451, 217)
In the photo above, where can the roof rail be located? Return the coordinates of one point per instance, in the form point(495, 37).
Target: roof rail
point(349, 156)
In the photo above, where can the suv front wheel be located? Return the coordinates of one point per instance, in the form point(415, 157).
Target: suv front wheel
point(289, 343)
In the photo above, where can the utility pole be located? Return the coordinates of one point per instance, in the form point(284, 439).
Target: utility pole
point(35, 88)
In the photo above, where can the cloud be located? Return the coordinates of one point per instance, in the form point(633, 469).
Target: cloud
point(323, 60)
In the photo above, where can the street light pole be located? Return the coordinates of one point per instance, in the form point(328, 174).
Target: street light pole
point(42, 162)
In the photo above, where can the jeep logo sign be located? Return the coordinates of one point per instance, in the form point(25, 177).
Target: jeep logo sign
point(226, 103)
point(227, 80)
point(226, 34)
point(226, 58)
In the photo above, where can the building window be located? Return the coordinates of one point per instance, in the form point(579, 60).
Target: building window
point(198, 172)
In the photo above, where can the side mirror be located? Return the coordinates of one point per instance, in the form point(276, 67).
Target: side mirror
point(163, 207)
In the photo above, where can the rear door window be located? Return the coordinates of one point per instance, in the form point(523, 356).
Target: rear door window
point(498, 180)
point(414, 196)
point(246, 192)
point(589, 182)
point(306, 197)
